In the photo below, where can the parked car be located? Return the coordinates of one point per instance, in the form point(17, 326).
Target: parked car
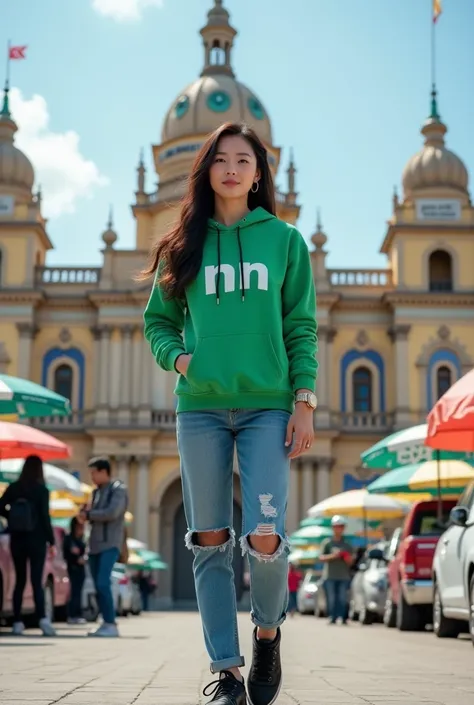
point(90, 608)
point(369, 587)
point(410, 585)
point(121, 574)
point(55, 581)
point(320, 601)
point(305, 594)
point(453, 572)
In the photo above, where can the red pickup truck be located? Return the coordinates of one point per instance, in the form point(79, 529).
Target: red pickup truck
point(410, 561)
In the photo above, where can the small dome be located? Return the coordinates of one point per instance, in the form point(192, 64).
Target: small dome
point(210, 101)
point(109, 236)
point(434, 165)
point(319, 238)
point(16, 169)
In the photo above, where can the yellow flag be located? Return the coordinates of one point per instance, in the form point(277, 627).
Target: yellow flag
point(437, 9)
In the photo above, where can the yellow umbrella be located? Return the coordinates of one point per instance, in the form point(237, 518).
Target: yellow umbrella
point(360, 505)
point(62, 507)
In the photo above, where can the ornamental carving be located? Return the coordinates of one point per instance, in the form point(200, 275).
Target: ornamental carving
point(362, 338)
point(443, 332)
point(65, 336)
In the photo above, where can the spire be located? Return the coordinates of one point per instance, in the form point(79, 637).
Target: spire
point(5, 112)
point(319, 238)
point(434, 129)
point(141, 172)
point(395, 200)
point(291, 171)
point(218, 37)
point(109, 236)
point(434, 115)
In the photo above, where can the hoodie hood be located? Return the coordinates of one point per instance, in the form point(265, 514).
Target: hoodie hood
point(255, 217)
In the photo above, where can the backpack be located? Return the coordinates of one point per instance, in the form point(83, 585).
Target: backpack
point(21, 517)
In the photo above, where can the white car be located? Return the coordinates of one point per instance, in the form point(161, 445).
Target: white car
point(90, 609)
point(306, 591)
point(121, 575)
point(453, 572)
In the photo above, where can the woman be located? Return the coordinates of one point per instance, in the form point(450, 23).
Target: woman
point(25, 504)
point(294, 581)
point(74, 550)
point(238, 283)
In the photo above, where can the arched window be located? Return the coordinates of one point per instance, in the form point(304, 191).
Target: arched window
point(217, 54)
point(362, 389)
point(63, 381)
point(443, 380)
point(440, 271)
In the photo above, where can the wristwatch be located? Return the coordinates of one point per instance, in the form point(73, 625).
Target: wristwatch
point(309, 398)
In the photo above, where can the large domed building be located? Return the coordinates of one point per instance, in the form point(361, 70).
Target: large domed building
point(391, 340)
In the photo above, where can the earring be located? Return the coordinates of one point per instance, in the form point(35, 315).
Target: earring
point(257, 184)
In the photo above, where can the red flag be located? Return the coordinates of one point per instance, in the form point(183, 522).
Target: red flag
point(17, 52)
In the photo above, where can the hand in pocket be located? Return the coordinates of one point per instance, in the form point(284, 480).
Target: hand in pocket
point(182, 363)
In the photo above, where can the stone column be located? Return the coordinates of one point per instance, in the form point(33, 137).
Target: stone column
point(102, 413)
point(147, 362)
point(323, 478)
point(399, 336)
point(27, 332)
point(293, 510)
point(142, 508)
point(137, 345)
point(307, 484)
point(323, 385)
point(123, 468)
point(96, 334)
point(124, 416)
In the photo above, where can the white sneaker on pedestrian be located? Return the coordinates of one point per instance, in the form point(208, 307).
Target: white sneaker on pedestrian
point(18, 628)
point(106, 630)
point(46, 627)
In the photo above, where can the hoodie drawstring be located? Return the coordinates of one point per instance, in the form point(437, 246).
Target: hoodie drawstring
point(241, 263)
point(242, 284)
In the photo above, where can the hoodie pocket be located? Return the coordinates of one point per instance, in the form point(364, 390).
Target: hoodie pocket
point(229, 364)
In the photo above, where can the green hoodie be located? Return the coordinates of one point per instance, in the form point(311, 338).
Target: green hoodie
point(252, 337)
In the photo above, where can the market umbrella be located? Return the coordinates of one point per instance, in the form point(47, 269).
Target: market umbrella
point(310, 535)
point(353, 526)
point(62, 508)
point(451, 420)
point(406, 448)
point(299, 555)
point(56, 478)
point(135, 544)
point(361, 505)
point(27, 399)
point(19, 441)
point(151, 560)
point(448, 478)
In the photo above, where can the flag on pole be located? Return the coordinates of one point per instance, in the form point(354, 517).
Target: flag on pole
point(17, 52)
point(437, 10)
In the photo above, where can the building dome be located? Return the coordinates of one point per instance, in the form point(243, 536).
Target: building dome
point(210, 101)
point(216, 96)
point(434, 165)
point(16, 169)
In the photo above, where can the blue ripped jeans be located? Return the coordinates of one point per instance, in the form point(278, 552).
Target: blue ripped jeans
point(206, 441)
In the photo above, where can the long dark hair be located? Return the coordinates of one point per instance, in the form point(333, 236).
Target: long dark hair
point(179, 252)
point(32, 472)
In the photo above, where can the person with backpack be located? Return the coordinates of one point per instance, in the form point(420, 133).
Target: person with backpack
point(74, 552)
point(107, 541)
point(25, 505)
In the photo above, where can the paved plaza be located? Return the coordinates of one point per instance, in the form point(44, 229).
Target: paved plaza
point(160, 660)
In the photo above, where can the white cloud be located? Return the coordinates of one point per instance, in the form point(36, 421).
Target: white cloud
point(124, 10)
point(64, 173)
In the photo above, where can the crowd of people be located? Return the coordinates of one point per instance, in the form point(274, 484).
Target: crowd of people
point(25, 505)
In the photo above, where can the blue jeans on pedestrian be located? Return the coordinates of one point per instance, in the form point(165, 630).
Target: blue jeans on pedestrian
point(101, 566)
point(336, 593)
point(206, 441)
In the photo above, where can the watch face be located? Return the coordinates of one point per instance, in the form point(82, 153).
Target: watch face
point(312, 400)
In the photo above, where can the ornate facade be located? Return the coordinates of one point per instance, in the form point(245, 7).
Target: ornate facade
point(391, 340)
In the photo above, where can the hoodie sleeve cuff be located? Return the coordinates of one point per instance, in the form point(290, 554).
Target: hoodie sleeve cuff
point(172, 357)
point(304, 382)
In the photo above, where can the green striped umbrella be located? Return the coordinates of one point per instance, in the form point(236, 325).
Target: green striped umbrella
point(151, 560)
point(25, 399)
point(443, 478)
point(406, 447)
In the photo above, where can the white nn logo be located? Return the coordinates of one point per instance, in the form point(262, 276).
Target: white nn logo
point(228, 273)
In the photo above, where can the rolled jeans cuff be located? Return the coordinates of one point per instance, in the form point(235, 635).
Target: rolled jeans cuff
point(226, 663)
point(267, 625)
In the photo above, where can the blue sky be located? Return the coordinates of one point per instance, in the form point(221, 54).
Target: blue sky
point(346, 85)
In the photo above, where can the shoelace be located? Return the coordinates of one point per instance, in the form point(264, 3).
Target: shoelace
point(265, 663)
point(227, 685)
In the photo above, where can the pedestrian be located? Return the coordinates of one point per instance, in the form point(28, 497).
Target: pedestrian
point(237, 281)
point(74, 552)
point(145, 586)
point(25, 504)
point(294, 580)
point(336, 554)
point(106, 515)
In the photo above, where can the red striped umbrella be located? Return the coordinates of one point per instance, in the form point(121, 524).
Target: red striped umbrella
point(19, 441)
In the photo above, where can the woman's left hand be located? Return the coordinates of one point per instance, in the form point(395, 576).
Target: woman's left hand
point(300, 429)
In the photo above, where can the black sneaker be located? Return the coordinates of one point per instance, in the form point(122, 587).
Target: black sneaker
point(227, 691)
point(264, 681)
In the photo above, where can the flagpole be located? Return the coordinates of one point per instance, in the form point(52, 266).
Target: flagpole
point(433, 53)
point(7, 81)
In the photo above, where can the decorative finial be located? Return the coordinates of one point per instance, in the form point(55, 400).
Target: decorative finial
point(318, 220)
point(141, 171)
point(434, 115)
point(291, 171)
point(395, 200)
point(319, 238)
point(109, 236)
point(5, 112)
point(39, 195)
